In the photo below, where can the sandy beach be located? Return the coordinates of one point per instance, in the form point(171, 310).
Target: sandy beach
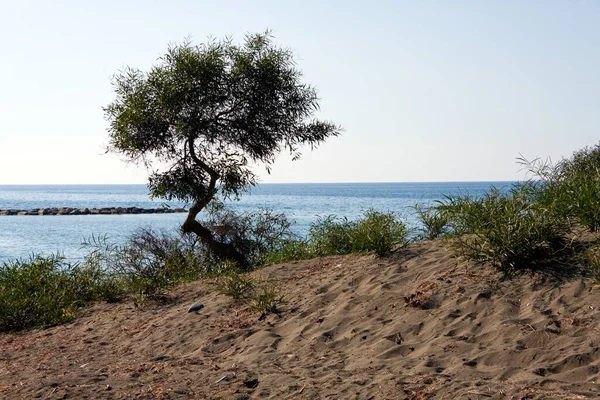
point(419, 324)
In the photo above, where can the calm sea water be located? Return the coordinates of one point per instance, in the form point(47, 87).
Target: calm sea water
point(21, 236)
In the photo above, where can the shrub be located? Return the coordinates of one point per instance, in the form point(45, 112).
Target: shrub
point(46, 291)
point(260, 295)
point(289, 250)
point(434, 222)
point(331, 235)
point(592, 260)
point(508, 229)
point(375, 232)
point(571, 187)
point(379, 233)
point(256, 235)
point(93, 283)
point(150, 262)
point(236, 285)
point(267, 299)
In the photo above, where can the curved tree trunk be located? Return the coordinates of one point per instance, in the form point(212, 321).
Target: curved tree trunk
point(223, 250)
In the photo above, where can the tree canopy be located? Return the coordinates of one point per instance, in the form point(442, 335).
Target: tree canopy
point(200, 116)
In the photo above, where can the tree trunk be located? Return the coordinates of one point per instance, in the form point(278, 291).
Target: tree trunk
point(222, 250)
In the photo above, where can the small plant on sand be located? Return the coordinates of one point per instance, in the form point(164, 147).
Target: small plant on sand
point(592, 259)
point(434, 223)
point(506, 228)
point(267, 299)
point(260, 295)
point(236, 285)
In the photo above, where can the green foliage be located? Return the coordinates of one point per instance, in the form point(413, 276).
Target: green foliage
point(260, 295)
point(331, 235)
point(46, 291)
point(149, 263)
point(379, 233)
point(592, 260)
point(571, 187)
point(204, 114)
point(288, 250)
point(434, 223)
point(257, 235)
point(236, 285)
point(508, 229)
point(267, 299)
point(375, 232)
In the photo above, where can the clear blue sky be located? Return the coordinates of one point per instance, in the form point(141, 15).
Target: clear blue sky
point(426, 90)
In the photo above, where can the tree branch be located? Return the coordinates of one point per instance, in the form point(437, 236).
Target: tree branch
point(214, 175)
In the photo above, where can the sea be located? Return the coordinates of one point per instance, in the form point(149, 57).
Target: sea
point(24, 236)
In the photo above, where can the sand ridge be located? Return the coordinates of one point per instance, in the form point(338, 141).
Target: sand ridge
point(418, 324)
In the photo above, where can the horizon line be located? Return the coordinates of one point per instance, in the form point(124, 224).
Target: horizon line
point(260, 183)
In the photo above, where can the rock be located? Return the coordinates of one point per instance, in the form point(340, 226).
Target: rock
point(195, 307)
point(87, 211)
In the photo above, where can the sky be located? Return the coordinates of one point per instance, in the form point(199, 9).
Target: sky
point(426, 91)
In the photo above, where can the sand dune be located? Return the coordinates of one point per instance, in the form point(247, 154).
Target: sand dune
point(416, 325)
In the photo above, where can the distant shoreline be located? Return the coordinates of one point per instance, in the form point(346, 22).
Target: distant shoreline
point(91, 211)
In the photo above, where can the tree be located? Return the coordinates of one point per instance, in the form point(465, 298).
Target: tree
point(200, 116)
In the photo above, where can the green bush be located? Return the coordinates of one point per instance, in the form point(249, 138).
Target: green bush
point(289, 250)
point(592, 260)
point(46, 291)
point(378, 233)
point(434, 222)
point(571, 187)
point(260, 295)
point(257, 235)
point(150, 262)
point(236, 285)
point(331, 235)
point(375, 232)
point(508, 229)
point(267, 299)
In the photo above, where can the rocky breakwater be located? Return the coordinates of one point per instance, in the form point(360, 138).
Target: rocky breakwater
point(92, 211)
